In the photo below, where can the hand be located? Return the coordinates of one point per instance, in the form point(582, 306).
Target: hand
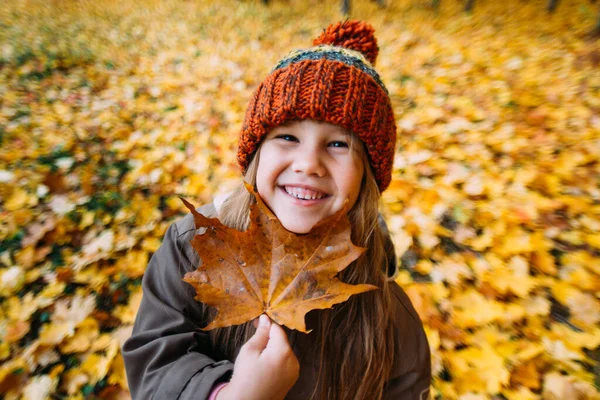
point(266, 368)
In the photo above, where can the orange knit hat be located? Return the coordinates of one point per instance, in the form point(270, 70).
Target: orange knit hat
point(333, 82)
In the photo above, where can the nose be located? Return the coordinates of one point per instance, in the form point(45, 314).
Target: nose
point(309, 161)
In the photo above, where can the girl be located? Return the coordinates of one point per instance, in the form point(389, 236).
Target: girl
point(319, 131)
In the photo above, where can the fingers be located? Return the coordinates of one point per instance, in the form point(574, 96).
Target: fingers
point(278, 340)
point(280, 352)
point(258, 342)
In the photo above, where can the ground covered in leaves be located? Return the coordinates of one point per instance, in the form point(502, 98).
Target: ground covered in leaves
point(109, 111)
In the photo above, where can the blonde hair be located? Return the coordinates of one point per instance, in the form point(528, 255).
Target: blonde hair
point(359, 366)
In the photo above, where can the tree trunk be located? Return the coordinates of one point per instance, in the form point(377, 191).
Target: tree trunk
point(469, 6)
point(552, 4)
point(346, 7)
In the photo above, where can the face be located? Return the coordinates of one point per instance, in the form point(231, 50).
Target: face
point(306, 171)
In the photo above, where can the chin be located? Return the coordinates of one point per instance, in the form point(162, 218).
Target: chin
point(298, 229)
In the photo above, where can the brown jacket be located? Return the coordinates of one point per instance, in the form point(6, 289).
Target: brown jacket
point(168, 357)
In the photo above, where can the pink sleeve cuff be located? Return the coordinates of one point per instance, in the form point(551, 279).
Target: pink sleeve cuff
point(216, 390)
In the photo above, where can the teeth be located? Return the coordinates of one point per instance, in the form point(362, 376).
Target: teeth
point(303, 194)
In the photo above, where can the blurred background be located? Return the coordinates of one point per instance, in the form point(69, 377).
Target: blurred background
point(111, 110)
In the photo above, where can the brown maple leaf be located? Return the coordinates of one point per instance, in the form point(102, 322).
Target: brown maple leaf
point(267, 269)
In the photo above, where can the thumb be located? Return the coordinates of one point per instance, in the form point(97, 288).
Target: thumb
point(259, 341)
point(278, 339)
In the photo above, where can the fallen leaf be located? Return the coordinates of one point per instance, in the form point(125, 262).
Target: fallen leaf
point(526, 374)
point(267, 269)
point(16, 330)
point(39, 387)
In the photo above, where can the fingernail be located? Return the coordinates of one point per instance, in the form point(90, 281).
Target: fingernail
point(263, 321)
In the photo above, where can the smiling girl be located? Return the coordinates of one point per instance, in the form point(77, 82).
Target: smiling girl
point(318, 132)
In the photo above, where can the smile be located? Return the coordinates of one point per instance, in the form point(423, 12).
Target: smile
point(303, 193)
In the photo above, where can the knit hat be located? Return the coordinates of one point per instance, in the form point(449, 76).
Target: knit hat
point(333, 82)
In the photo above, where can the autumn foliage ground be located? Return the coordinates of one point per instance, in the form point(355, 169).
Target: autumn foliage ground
point(108, 112)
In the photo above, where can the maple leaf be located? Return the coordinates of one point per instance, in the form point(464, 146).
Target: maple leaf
point(267, 269)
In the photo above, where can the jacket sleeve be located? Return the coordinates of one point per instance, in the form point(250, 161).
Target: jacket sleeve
point(168, 357)
point(411, 377)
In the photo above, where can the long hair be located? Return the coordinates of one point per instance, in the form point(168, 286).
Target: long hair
point(358, 366)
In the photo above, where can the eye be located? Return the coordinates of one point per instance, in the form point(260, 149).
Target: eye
point(287, 138)
point(338, 143)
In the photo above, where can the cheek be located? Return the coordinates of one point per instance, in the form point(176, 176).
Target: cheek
point(265, 177)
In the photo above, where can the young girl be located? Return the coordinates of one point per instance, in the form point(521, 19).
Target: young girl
point(319, 130)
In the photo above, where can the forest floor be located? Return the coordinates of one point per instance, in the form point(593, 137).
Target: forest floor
point(110, 111)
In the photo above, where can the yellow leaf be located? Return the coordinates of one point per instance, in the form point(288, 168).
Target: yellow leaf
point(521, 394)
point(151, 244)
point(483, 241)
point(471, 309)
point(478, 369)
point(561, 351)
point(25, 257)
point(516, 241)
point(589, 339)
point(581, 278)
point(403, 278)
point(423, 267)
point(433, 337)
point(86, 334)
point(73, 380)
point(55, 333)
point(103, 342)
point(575, 238)
point(593, 239)
point(505, 281)
point(544, 262)
point(421, 298)
point(451, 271)
point(96, 366)
point(53, 290)
point(578, 259)
point(512, 314)
point(56, 371)
point(535, 306)
point(446, 389)
point(4, 350)
point(528, 351)
point(20, 199)
point(134, 263)
point(87, 219)
point(127, 313)
point(15, 330)
point(117, 372)
point(21, 309)
point(562, 291)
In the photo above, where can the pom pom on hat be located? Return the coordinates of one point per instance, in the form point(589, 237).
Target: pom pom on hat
point(354, 35)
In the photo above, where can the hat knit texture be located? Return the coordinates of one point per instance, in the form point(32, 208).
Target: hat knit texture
point(334, 82)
